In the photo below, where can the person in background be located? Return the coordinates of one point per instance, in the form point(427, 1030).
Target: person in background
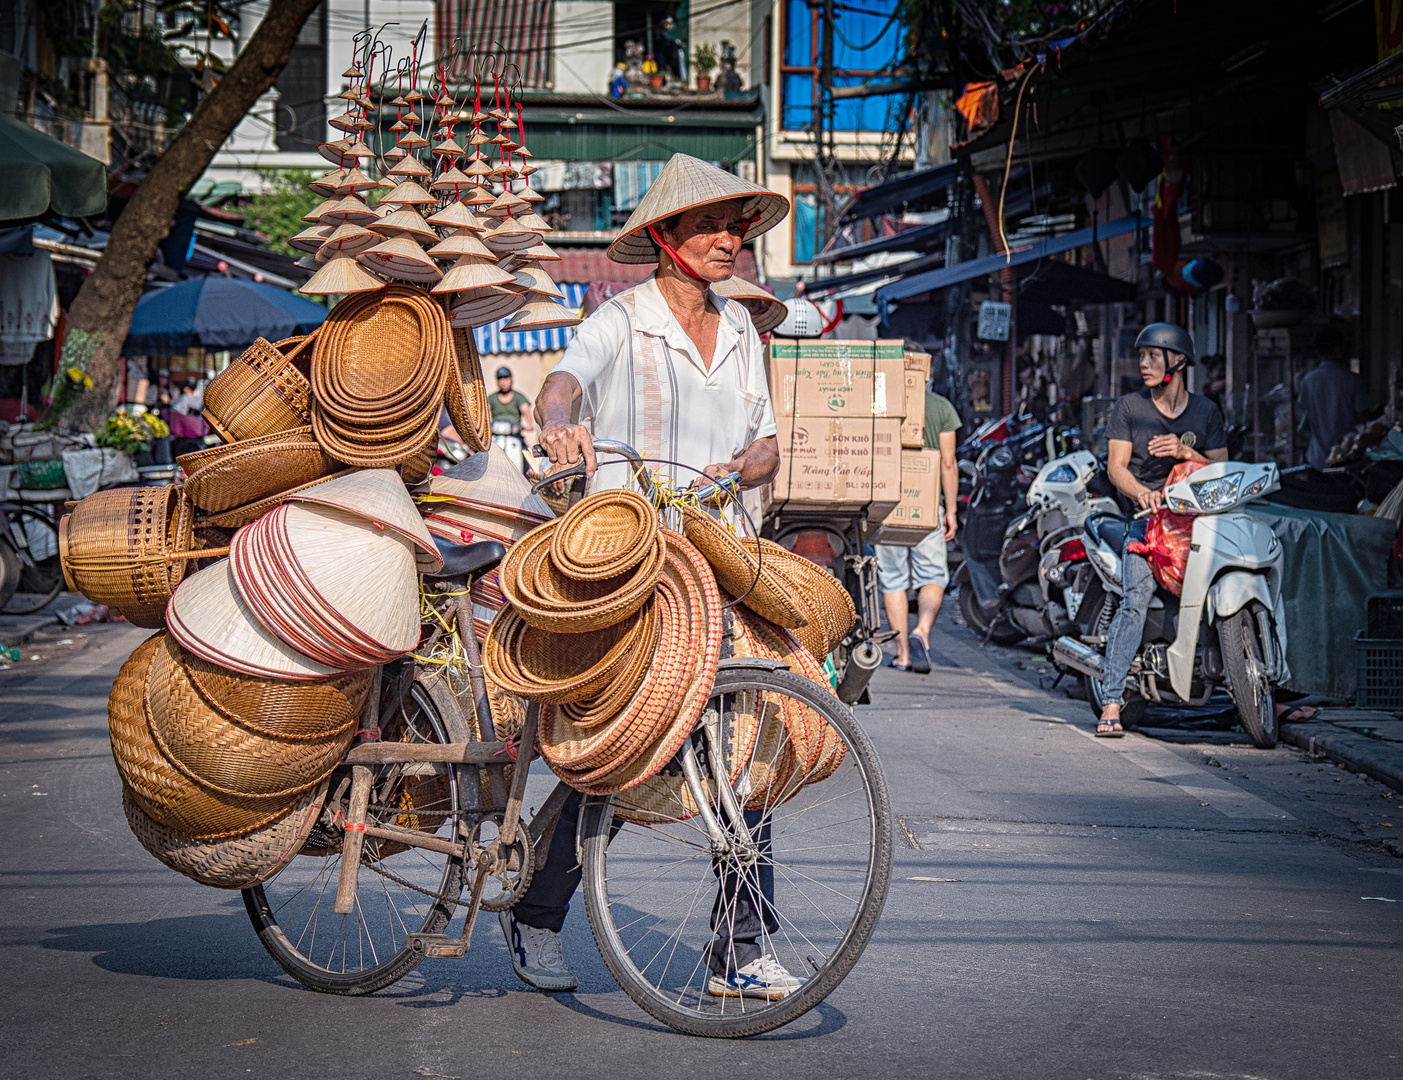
point(923, 567)
point(1331, 398)
point(512, 405)
point(189, 402)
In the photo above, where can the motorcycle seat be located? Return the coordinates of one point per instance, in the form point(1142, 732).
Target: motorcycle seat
point(1110, 530)
point(468, 560)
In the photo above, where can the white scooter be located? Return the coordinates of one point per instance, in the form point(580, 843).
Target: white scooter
point(1227, 626)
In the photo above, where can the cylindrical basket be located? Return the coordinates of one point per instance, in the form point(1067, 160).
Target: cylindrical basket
point(261, 392)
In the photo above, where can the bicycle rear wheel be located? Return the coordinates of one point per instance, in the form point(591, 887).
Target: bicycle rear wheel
point(400, 890)
point(39, 578)
point(668, 909)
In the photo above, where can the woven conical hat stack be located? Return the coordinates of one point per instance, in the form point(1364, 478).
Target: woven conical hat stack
point(482, 498)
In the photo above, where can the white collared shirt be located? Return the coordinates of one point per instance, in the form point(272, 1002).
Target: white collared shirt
point(643, 382)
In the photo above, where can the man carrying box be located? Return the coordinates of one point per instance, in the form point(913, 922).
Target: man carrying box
point(923, 566)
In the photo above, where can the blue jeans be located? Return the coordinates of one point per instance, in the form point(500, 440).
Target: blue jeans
point(1128, 626)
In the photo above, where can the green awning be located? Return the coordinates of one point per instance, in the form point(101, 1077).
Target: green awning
point(42, 174)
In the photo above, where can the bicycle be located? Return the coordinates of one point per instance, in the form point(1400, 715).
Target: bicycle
point(29, 560)
point(432, 803)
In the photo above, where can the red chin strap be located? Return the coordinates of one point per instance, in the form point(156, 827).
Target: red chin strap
point(681, 262)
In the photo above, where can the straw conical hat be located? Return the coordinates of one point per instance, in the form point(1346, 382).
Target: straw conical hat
point(482, 306)
point(541, 315)
point(477, 196)
point(350, 209)
point(529, 195)
point(409, 167)
point(408, 192)
point(462, 242)
point(533, 221)
point(404, 221)
point(346, 240)
point(378, 496)
point(504, 204)
point(313, 216)
point(684, 184)
point(325, 185)
point(506, 234)
point(351, 182)
point(394, 154)
point(307, 262)
point(453, 180)
point(400, 257)
point(341, 275)
point(487, 481)
point(472, 272)
point(538, 281)
point(310, 239)
point(766, 310)
point(456, 216)
point(410, 141)
point(208, 618)
point(540, 251)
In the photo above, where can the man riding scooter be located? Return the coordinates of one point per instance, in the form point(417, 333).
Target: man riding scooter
point(1148, 432)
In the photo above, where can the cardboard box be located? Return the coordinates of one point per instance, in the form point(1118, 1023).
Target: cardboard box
point(918, 513)
point(913, 425)
point(839, 463)
point(816, 377)
point(918, 361)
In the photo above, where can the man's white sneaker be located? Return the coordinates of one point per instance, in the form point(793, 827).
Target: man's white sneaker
point(764, 978)
point(536, 956)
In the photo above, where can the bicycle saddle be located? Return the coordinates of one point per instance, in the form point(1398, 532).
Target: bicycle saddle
point(468, 560)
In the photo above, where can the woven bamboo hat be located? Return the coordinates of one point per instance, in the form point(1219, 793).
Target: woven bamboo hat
point(209, 618)
point(478, 307)
point(541, 314)
point(684, 184)
point(766, 310)
point(486, 489)
point(379, 497)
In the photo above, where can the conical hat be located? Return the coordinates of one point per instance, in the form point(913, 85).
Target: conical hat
point(346, 240)
point(455, 216)
point(766, 310)
point(310, 239)
point(507, 234)
point(339, 276)
point(408, 192)
point(540, 251)
point(408, 166)
point(404, 221)
point(462, 242)
point(684, 184)
point(378, 495)
point(400, 257)
point(482, 306)
point(541, 315)
point(537, 280)
point(488, 481)
point(472, 272)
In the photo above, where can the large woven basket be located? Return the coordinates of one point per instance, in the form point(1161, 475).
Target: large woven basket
point(236, 474)
point(251, 512)
point(238, 863)
point(115, 545)
point(604, 535)
point(819, 594)
point(162, 791)
point(264, 390)
point(466, 396)
point(740, 573)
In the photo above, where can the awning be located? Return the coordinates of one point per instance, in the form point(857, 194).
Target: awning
point(218, 313)
point(884, 198)
point(824, 286)
point(989, 264)
point(43, 175)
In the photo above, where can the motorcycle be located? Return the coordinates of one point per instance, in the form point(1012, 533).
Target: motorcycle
point(1225, 629)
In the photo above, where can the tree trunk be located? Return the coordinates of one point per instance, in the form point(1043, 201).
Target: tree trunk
point(103, 308)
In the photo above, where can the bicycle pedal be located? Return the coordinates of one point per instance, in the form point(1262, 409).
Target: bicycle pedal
point(438, 946)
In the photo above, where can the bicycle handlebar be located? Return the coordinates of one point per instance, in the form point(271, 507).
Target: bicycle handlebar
point(730, 483)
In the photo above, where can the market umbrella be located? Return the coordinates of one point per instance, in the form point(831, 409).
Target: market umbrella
point(218, 313)
point(43, 174)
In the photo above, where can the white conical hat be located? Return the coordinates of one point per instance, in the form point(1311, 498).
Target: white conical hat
point(766, 310)
point(684, 184)
point(536, 280)
point(488, 481)
point(472, 272)
point(462, 242)
point(378, 495)
point(479, 307)
point(541, 315)
point(340, 276)
point(400, 257)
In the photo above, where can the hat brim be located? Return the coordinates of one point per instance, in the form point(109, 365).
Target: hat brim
point(769, 208)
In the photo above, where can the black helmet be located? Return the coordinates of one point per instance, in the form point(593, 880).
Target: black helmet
point(1166, 335)
point(504, 373)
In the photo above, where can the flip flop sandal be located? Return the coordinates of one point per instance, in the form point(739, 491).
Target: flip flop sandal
point(899, 667)
point(1297, 714)
point(1116, 732)
point(920, 656)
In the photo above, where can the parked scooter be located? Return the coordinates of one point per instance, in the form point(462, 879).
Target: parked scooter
point(1226, 628)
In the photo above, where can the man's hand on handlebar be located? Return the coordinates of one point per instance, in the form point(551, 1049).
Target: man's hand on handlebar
point(566, 444)
point(1149, 498)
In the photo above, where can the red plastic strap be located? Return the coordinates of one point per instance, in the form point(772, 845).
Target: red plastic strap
point(681, 262)
point(370, 733)
point(353, 827)
point(512, 748)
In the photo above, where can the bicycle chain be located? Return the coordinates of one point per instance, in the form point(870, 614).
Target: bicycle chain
point(417, 888)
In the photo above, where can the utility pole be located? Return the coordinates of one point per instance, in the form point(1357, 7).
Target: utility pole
point(825, 161)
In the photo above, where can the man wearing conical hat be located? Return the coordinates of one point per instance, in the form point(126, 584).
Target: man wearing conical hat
point(675, 370)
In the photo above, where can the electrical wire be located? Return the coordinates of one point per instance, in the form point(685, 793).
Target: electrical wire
point(1008, 161)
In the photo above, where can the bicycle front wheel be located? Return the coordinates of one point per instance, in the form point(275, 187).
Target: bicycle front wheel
point(399, 889)
point(680, 914)
point(37, 576)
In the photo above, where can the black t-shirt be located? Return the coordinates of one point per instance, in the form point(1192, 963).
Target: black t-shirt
point(1134, 419)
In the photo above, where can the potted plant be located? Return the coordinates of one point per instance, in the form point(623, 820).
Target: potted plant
point(704, 63)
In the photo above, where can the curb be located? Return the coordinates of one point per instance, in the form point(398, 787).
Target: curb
point(1379, 760)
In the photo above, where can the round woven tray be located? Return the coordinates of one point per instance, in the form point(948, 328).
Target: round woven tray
point(113, 548)
point(162, 791)
point(739, 573)
point(240, 863)
point(559, 668)
point(224, 756)
point(263, 390)
point(604, 535)
point(291, 711)
point(367, 452)
point(237, 474)
point(466, 394)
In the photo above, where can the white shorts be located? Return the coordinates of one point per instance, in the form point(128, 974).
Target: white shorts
point(903, 568)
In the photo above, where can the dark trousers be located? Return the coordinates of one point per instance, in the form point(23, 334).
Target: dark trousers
point(744, 909)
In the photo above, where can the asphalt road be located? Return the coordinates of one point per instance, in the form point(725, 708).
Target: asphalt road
point(1128, 908)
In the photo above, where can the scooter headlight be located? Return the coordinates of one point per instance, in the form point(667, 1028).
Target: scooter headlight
point(1216, 494)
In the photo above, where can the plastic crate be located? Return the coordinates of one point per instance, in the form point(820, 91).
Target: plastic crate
point(1380, 664)
point(1385, 615)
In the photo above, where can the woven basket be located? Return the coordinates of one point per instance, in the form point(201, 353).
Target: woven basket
point(161, 790)
point(739, 573)
point(604, 535)
point(224, 756)
point(612, 700)
point(466, 394)
point(236, 474)
point(421, 466)
point(240, 863)
point(561, 668)
point(262, 391)
point(247, 514)
point(114, 546)
point(827, 604)
point(279, 709)
point(365, 451)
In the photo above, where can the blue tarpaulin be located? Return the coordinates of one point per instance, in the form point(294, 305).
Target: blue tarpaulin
point(217, 313)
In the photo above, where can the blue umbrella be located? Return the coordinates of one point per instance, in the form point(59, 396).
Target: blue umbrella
point(218, 313)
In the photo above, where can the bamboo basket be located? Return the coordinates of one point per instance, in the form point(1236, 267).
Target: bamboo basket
point(263, 391)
